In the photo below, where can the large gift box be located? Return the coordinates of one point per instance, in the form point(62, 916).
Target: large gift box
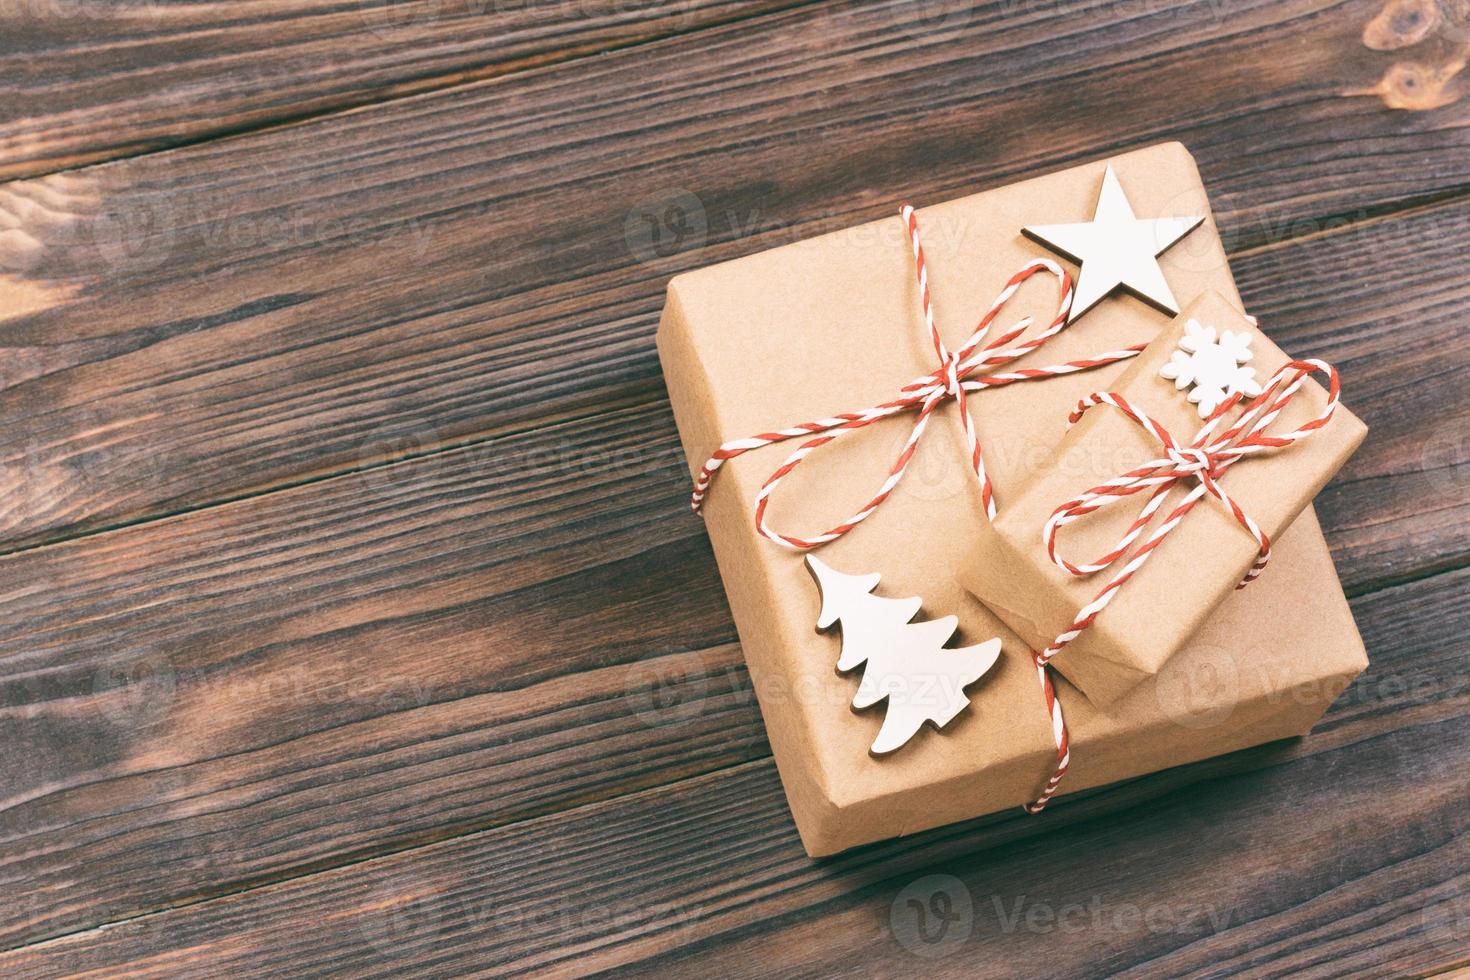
point(834, 325)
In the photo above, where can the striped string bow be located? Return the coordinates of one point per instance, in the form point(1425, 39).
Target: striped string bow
point(1204, 460)
point(959, 374)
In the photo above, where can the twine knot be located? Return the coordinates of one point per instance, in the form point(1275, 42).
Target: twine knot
point(951, 374)
point(1190, 459)
point(1204, 460)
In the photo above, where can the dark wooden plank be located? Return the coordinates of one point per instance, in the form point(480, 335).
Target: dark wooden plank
point(486, 635)
point(398, 655)
point(210, 322)
point(91, 81)
point(1344, 853)
point(1381, 300)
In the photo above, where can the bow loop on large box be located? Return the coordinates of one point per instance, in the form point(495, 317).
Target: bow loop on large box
point(958, 374)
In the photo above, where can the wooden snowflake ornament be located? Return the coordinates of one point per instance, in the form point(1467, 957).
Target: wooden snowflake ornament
point(906, 663)
point(1215, 365)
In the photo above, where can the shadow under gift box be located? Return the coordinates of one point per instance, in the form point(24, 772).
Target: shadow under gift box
point(1197, 565)
point(833, 324)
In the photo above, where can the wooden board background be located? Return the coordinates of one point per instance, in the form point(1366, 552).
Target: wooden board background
point(351, 617)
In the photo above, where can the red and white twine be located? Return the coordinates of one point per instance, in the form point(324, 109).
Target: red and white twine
point(1205, 459)
point(953, 378)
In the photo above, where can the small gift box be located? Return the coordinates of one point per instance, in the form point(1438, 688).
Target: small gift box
point(819, 408)
point(1147, 515)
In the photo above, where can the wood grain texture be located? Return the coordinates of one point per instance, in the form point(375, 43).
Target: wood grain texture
point(1381, 301)
point(351, 666)
point(431, 672)
point(706, 877)
point(90, 81)
point(477, 637)
point(223, 319)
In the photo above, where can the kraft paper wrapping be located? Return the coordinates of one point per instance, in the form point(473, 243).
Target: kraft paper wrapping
point(833, 324)
point(1201, 561)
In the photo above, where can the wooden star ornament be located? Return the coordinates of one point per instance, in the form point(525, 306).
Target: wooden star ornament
point(1117, 250)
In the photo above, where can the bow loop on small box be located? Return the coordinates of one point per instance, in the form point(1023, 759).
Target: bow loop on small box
point(958, 374)
point(1204, 460)
point(1193, 461)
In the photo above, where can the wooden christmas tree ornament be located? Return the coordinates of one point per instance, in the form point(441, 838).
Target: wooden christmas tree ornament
point(905, 663)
